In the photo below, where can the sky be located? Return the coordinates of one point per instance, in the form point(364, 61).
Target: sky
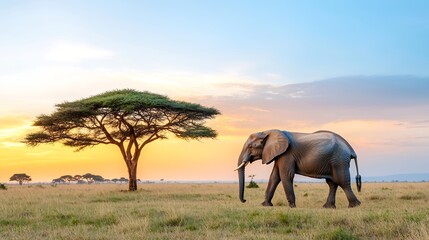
point(356, 68)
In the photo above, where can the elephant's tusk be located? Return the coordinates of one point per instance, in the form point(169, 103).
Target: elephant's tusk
point(243, 164)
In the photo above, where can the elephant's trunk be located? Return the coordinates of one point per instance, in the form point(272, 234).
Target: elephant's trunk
point(241, 184)
point(243, 160)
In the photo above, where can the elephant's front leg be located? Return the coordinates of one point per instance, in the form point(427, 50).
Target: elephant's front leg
point(272, 185)
point(287, 173)
point(330, 202)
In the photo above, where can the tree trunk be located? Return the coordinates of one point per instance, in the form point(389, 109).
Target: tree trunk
point(20, 182)
point(132, 177)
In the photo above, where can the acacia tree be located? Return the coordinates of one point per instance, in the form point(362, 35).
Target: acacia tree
point(58, 180)
point(90, 178)
point(77, 177)
point(67, 178)
point(128, 119)
point(20, 178)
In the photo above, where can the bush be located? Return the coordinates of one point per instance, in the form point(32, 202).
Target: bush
point(417, 196)
point(252, 184)
point(3, 187)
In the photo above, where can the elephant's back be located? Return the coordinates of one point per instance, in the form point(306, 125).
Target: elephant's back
point(340, 141)
point(321, 137)
point(317, 144)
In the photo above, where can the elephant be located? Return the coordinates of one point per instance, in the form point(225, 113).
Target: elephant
point(322, 154)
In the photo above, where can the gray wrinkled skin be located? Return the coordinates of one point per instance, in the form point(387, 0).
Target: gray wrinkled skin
point(322, 154)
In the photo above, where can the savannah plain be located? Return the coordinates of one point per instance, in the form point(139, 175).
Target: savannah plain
point(210, 211)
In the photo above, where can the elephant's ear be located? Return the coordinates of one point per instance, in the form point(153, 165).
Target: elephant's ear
point(276, 143)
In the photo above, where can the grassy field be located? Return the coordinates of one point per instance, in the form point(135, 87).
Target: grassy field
point(210, 211)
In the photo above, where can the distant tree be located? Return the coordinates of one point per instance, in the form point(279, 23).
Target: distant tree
point(80, 181)
point(123, 180)
point(67, 178)
point(58, 180)
point(3, 187)
point(88, 177)
point(97, 178)
point(77, 177)
point(128, 119)
point(20, 178)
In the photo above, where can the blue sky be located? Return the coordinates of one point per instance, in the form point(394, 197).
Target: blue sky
point(298, 41)
point(359, 68)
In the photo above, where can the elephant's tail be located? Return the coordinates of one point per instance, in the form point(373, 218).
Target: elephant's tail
point(358, 177)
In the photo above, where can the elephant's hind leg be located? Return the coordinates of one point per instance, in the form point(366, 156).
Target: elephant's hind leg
point(353, 201)
point(330, 202)
point(344, 182)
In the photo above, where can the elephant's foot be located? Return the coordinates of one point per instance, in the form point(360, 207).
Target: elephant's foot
point(329, 205)
point(267, 204)
point(292, 205)
point(354, 204)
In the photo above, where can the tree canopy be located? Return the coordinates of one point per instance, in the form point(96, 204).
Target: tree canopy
point(20, 178)
point(90, 178)
point(120, 115)
point(127, 118)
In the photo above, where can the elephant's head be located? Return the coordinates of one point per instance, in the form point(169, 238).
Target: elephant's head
point(265, 145)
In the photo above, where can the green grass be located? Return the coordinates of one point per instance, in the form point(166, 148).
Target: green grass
point(210, 211)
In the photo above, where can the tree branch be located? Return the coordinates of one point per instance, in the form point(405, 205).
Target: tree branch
point(108, 135)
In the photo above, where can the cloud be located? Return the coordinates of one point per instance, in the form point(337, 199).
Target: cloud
point(10, 144)
point(394, 97)
point(255, 109)
point(12, 136)
point(38, 90)
point(402, 99)
point(11, 124)
point(376, 103)
point(13, 121)
point(73, 52)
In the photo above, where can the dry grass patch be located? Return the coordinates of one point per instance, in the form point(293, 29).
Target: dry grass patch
point(210, 211)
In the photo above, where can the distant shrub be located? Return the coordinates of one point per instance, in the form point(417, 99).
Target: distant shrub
point(417, 196)
point(252, 184)
point(377, 198)
point(3, 187)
